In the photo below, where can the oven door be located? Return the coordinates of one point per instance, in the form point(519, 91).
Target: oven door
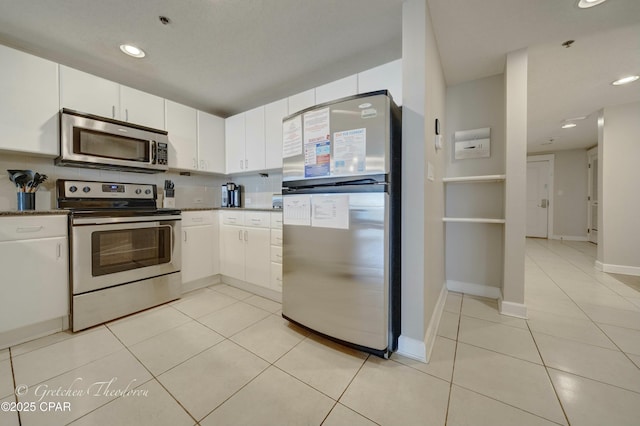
point(111, 251)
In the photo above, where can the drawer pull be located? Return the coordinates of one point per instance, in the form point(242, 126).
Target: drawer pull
point(22, 229)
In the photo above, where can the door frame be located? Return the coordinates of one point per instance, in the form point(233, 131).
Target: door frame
point(592, 152)
point(550, 159)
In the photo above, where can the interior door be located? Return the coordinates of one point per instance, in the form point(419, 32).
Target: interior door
point(592, 212)
point(537, 198)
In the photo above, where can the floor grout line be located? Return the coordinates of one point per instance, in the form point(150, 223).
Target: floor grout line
point(455, 354)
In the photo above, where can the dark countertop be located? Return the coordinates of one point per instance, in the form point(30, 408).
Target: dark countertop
point(33, 212)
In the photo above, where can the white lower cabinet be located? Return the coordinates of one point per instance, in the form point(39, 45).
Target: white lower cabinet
point(200, 255)
point(34, 260)
point(245, 242)
point(275, 281)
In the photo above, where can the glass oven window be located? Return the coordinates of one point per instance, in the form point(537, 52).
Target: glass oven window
point(127, 249)
point(99, 144)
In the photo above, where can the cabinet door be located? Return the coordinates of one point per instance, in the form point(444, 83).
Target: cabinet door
point(232, 251)
point(254, 139)
point(89, 94)
point(141, 108)
point(258, 256)
point(342, 88)
point(387, 76)
point(302, 100)
point(210, 143)
point(273, 115)
point(28, 103)
point(197, 252)
point(181, 126)
point(234, 143)
point(35, 281)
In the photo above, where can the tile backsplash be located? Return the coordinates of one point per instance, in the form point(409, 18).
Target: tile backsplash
point(191, 191)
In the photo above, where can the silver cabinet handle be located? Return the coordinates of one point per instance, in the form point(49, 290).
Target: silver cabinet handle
point(246, 235)
point(113, 111)
point(202, 165)
point(126, 114)
point(246, 163)
point(58, 251)
point(185, 236)
point(241, 165)
point(240, 235)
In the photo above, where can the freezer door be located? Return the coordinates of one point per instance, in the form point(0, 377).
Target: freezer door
point(335, 281)
point(359, 140)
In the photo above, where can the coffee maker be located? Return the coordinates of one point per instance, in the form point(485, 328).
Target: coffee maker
point(231, 195)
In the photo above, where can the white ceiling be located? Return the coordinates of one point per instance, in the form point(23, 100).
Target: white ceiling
point(226, 56)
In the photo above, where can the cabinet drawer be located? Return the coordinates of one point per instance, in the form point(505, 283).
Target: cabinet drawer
point(276, 220)
point(16, 228)
point(276, 237)
point(276, 276)
point(257, 219)
point(233, 217)
point(197, 218)
point(276, 254)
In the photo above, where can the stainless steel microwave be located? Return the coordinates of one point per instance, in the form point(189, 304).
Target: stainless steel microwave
point(103, 143)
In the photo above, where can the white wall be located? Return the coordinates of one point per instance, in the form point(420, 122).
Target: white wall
point(435, 94)
point(472, 105)
point(570, 194)
point(512, 302)
point(619, 209)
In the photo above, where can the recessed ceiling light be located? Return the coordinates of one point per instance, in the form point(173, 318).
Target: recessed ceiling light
point(626, 80)
point(585, 4)
point(569, 125)
point(132, 50)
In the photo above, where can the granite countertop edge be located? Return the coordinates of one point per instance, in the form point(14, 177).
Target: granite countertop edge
point(33, 212)
point(263, 209)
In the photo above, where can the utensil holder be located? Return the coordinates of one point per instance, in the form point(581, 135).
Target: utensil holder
point(26, 201)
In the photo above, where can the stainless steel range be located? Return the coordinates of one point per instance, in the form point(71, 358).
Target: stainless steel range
point(125, 254)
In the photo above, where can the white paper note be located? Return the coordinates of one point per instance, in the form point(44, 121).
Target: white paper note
point(330, 211)
point(350, 151)
point(292, 137)
point(296, 210)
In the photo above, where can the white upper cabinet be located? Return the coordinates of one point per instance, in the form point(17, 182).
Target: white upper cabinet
point(302, 100)
point(387, 76)
point(211, 149)
point(244, 141)
point(141, 108)
point(273, 115)
point(89, 94)
point(181, 123)
point(342, 88)
point(234, 143)
point(28, 103)
point(254, 139)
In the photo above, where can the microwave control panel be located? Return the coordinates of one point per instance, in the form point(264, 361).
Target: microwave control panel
point(162, 153)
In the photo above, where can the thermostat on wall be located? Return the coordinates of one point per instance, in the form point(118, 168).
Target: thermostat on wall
point(473, 144)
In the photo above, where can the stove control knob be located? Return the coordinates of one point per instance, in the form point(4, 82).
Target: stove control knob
point(73, 188)
point(86, 189)
point(138, 191)
point(147, 191)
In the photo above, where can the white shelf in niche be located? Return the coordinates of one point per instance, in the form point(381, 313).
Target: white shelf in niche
point(472, 220)
point(485, 178)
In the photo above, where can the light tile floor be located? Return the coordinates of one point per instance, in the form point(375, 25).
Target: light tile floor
point(222, 356)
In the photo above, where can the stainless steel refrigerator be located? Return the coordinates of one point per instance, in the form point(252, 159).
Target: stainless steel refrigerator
point(341, 216)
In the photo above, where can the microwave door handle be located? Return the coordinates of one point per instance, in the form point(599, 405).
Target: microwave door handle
point(153, 152)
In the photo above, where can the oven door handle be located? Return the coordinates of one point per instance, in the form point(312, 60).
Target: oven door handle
point(108, 220)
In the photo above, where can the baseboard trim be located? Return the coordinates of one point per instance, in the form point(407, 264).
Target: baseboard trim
point(434, 322)
point(474, 289)
point(274, 295)
point(518, 310)
point(598, 265)
point(569, 238)
point(621, 269)
point(201, 283)
point(33, 331)
point(412, 348)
